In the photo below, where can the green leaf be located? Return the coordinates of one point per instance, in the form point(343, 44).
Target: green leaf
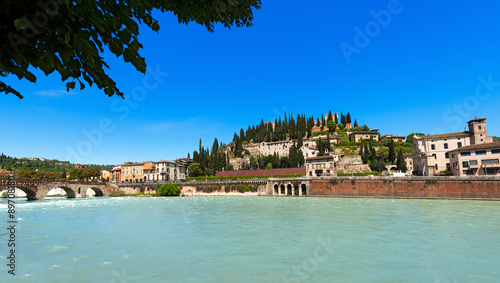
point(70, 85)
point(30, 77)
point(67, 37)
point(22, 23)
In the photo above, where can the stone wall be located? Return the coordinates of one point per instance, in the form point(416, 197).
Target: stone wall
point(412, 187)
point(262, 172)
point(351, 164)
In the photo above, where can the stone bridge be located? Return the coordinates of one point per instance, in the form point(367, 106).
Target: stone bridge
point(38, 189)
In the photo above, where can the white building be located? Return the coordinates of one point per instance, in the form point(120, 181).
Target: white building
point(431, 152)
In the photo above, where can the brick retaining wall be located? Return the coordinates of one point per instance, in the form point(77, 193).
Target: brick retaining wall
point(407, 188)
point(262, 172)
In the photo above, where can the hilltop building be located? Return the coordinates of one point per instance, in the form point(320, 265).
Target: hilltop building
point(364, 135)
point(394, 138)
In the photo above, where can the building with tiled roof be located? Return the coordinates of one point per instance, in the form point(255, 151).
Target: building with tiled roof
point(134, 172)
point(431, 152)
point(476, 160)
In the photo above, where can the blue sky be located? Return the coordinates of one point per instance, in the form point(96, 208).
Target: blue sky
point(429, 68)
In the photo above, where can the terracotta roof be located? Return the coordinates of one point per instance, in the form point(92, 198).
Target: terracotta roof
point(310, 147)
point(443, 136)
point(479, 146)
point(392, 136)
point(364, 132)
point(165, 161)
point(477, 120)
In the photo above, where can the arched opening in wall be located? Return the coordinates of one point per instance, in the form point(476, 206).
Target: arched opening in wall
point(29, 193)
point(289, 189)
point(57, 192)
point(276, 191)
point(296, 190)
point(303, 187)
point(94, 192)
point(69, 191)
point(282, 189)
point(17, 193)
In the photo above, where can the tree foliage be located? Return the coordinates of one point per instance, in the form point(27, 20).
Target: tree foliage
point(409, 138)
point(70, 37)
point(168, 190)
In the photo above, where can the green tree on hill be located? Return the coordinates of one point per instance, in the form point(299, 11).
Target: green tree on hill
point(331, 126)
point(392, 152)
point(401, 163)
point(409, 138)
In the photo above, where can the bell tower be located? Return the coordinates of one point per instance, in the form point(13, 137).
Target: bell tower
point(477, 127)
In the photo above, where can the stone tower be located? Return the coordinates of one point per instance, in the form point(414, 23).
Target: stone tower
point(477, 127)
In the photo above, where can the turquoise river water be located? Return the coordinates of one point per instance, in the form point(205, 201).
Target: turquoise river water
point(254, 239)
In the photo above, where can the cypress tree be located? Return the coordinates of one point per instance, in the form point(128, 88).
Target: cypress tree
point(355, 123)
point(348, 118)
point(392, 152)
point(401, 163)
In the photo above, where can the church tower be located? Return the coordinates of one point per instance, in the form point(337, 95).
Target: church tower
point(477, 127)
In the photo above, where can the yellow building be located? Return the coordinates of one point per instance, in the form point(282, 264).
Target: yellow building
point(105, 175)
point(361, 136)
point(134, 172)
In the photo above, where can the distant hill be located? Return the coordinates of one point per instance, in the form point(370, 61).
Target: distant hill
point(42, 164)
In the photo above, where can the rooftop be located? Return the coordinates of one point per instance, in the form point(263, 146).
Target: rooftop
point(444, 136)
point(477, 120)
point(479, 146)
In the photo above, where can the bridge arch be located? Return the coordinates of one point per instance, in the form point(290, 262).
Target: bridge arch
point(70, 193)
point(30, 194)
point(98, 192)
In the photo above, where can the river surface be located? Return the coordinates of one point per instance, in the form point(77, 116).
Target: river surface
point(254, 239)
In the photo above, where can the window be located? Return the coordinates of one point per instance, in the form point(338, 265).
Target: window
point(453, 155)
point(480, 128)
point(446, 155)
point(445, 146)
point(468, 172)
point(489, 161)
point(481, 152)
point(467, 153)
point(495, 151)
point(490, 171)
point(433, 147)
point(459, 144)
point(465, 164)
point(472, 162)
point(434, 155)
